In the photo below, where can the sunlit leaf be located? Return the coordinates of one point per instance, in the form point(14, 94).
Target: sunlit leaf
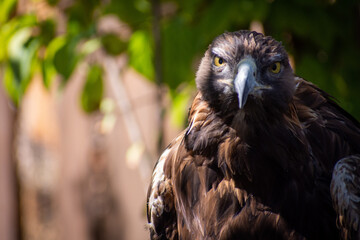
point(48, 67)
point(6, 7)
point(22, 50)
point(16, 51)
point(90, 46)
point(141, 54)
point(92, 93)
point(180, 106)
point(8, 29)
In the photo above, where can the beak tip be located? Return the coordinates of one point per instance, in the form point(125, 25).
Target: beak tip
point(245, 80)
point(242, 103)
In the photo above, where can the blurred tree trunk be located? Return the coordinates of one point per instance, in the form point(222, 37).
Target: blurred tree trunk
point(63, 168)
point(87, 208)
point(37, 157)
point(8, 188)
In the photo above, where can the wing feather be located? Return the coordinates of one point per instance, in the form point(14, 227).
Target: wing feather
point(196, 191)
point(345, 192)
point(160, 200)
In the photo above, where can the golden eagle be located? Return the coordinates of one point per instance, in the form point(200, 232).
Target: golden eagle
point(266, 155)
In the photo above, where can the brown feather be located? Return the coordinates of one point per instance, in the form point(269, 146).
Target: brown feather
point(262, 172)
point(345, 192)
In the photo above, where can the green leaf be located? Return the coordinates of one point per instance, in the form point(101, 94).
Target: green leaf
point(20, 51)
point(11, 87)
point(21, 64)
point(10, 28)
point(6, 7)
point(134, 13)
point(47, 31)
point(113, 44)
point(47, 66)
point(178, 61)
point(81, 15)
point(92, 93)
point(62, 53)
point(66, 57)
point(141, 54)
point(52, 2)
point(180, 106)
point(312, 70)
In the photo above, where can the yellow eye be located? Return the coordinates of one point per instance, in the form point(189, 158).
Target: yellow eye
point(275, 67)
point(218, 61)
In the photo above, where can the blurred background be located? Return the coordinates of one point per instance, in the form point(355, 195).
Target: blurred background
point(93, 90)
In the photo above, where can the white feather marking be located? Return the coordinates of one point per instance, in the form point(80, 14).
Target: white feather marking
point(219, 51)
point(158, 174)
point(157, 204)
point(192, 122)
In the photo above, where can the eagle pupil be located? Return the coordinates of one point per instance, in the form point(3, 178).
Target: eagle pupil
point(274, 67)
point(220, 61)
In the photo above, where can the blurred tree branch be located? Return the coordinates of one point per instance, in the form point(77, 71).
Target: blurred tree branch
point(156, 31)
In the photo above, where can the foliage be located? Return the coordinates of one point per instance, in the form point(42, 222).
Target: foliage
point(141, 54)
point(92, 93)
point(321, 35)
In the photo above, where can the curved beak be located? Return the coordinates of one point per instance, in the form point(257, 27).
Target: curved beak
point(245, 80)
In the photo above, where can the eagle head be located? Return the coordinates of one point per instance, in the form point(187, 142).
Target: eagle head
point(246, 71)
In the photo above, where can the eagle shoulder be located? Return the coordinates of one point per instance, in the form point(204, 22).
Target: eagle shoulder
point(331, 132)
